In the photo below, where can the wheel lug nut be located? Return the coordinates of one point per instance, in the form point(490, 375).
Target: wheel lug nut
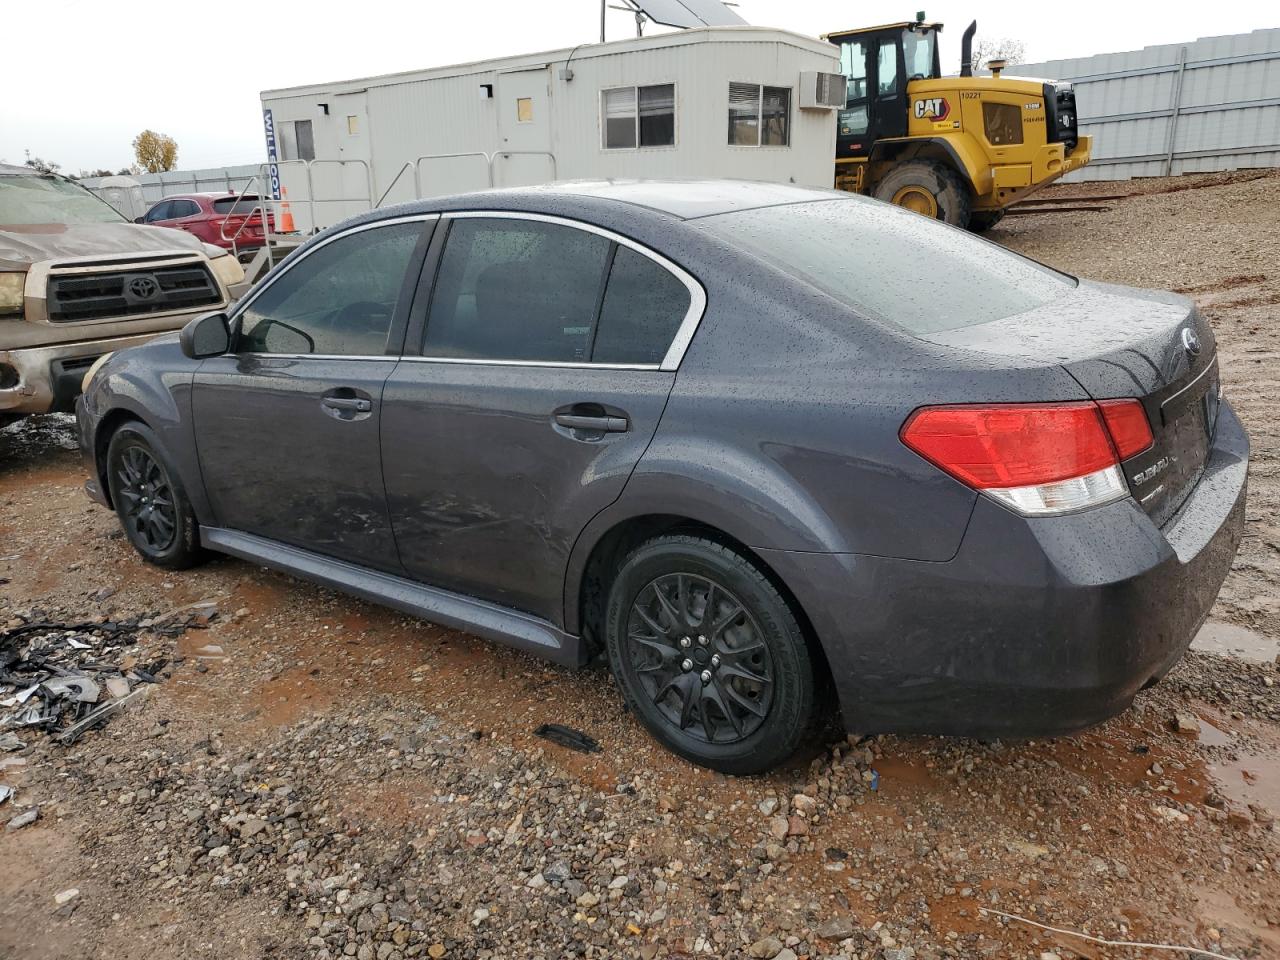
point(684, 642)
point(706, 676)
point(715, 659)
point(686, 665)
point(702, 640)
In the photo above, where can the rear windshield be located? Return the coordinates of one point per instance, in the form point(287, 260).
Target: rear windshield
point(893, 265)
point(245, 205)
point(27, 200)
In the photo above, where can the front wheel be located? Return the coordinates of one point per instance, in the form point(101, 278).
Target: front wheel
point(931, 189)
point(150, 500)
point(709, 655)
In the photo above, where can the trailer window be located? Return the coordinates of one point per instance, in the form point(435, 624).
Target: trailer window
point(639, 116)
point(759, 116)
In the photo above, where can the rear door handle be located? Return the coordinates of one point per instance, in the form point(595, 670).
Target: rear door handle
point(358, 404)
point(573, 421)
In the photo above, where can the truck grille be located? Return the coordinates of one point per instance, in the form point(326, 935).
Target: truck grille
point(119, 293)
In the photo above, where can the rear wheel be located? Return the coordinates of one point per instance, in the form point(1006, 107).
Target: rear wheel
point(928, 188)
point(983, 220)
point(709, 655)
point(150, 500)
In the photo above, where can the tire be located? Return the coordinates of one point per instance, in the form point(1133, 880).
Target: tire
point(150, 501)
point(982, 220)
point(715, 712)
point(913, 183)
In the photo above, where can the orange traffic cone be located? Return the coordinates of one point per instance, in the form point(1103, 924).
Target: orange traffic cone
point(286, 215)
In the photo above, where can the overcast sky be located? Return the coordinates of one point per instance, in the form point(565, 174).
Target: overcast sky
point(86, 78)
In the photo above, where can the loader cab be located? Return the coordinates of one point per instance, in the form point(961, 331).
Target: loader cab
point(877, 63)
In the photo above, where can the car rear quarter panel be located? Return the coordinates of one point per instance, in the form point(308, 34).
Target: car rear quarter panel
point(782, 427)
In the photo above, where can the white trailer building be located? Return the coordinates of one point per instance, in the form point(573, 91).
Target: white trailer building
point(744, 102)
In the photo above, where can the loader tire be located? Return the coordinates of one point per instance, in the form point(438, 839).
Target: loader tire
point(928, 188)
point(981, 221)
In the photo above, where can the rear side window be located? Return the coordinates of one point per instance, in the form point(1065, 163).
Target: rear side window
point(893, 265)
point(644, 305)
point(510, 289)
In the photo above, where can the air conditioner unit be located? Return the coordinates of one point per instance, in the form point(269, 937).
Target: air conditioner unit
point(822, 91)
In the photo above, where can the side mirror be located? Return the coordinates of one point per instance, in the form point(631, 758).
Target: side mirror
point(139, 219)
point(206, 336)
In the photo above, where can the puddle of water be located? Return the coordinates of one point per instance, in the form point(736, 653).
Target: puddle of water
point(1249, 778)
point(1211, 736)
point(1228, 640)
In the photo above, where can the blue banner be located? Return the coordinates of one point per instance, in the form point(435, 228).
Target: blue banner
point(273, 158)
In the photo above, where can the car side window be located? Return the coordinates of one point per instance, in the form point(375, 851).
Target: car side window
point(337, 301)
point(182, 208)
point(159, 212)
point(514, 289)
point(644, 305)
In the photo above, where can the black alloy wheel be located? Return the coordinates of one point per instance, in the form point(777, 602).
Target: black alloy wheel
point(700, 658)
point(146, 500)
point(709, 655)
point(149, 499)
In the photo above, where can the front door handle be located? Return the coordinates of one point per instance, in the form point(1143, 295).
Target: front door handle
point(573, 421)
point(358, 404)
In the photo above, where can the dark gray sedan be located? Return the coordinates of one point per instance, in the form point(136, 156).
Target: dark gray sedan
point(758, 445)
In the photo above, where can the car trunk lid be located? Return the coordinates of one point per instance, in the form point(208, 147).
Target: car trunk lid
point(1119, 342)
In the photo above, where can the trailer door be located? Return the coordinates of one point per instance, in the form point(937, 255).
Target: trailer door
point(524, 129)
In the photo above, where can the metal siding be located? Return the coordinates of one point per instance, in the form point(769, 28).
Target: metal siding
point(411, 116)
point(1213, 130)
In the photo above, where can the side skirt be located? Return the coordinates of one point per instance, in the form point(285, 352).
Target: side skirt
point(520, 630)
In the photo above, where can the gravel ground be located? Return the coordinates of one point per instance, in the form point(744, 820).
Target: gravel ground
point(316, 777)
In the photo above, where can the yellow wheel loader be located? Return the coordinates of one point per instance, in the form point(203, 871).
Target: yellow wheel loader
point(959, 149)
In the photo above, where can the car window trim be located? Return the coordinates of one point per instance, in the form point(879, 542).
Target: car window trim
point(396, 332)
point(675, 351)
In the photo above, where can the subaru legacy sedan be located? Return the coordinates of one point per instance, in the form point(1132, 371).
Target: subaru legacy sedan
point(771, 452)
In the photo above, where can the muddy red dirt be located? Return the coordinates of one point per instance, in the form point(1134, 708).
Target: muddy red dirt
point(1129, 831)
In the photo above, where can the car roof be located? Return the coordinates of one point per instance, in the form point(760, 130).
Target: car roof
point(689, 199)
point(683, 199)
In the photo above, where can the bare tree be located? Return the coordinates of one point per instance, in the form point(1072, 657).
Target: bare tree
point(44, 166)
point(998, 48)
point(155, 152)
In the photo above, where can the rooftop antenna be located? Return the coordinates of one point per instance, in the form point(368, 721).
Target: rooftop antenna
point(674, 13)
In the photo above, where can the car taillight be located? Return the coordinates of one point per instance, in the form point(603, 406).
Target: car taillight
point(1129, 427)
point(1038, 458)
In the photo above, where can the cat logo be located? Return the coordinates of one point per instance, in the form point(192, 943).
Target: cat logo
point(934, 109)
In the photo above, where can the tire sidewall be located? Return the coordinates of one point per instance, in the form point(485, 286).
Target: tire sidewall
point(947, 189)
point(186, 543)
point(794, 695)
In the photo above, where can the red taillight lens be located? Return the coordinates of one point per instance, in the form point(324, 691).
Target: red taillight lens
point(1011, 445)
point(1127, 422)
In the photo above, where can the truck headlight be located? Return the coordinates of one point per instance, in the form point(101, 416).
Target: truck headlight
point(227, 269)
point(11, 288)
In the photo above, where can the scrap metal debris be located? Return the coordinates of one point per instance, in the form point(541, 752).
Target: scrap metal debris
point(66, 678)
point(567, 737)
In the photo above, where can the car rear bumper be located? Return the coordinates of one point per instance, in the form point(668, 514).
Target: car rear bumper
point(1037, 626)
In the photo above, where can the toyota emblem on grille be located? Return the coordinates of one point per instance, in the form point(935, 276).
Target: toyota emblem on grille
point(1191, 341)
point(143, 288)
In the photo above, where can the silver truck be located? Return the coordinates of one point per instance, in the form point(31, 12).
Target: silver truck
point(79, 281)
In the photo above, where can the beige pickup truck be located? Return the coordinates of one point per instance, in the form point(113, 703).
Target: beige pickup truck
point(79, 281)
